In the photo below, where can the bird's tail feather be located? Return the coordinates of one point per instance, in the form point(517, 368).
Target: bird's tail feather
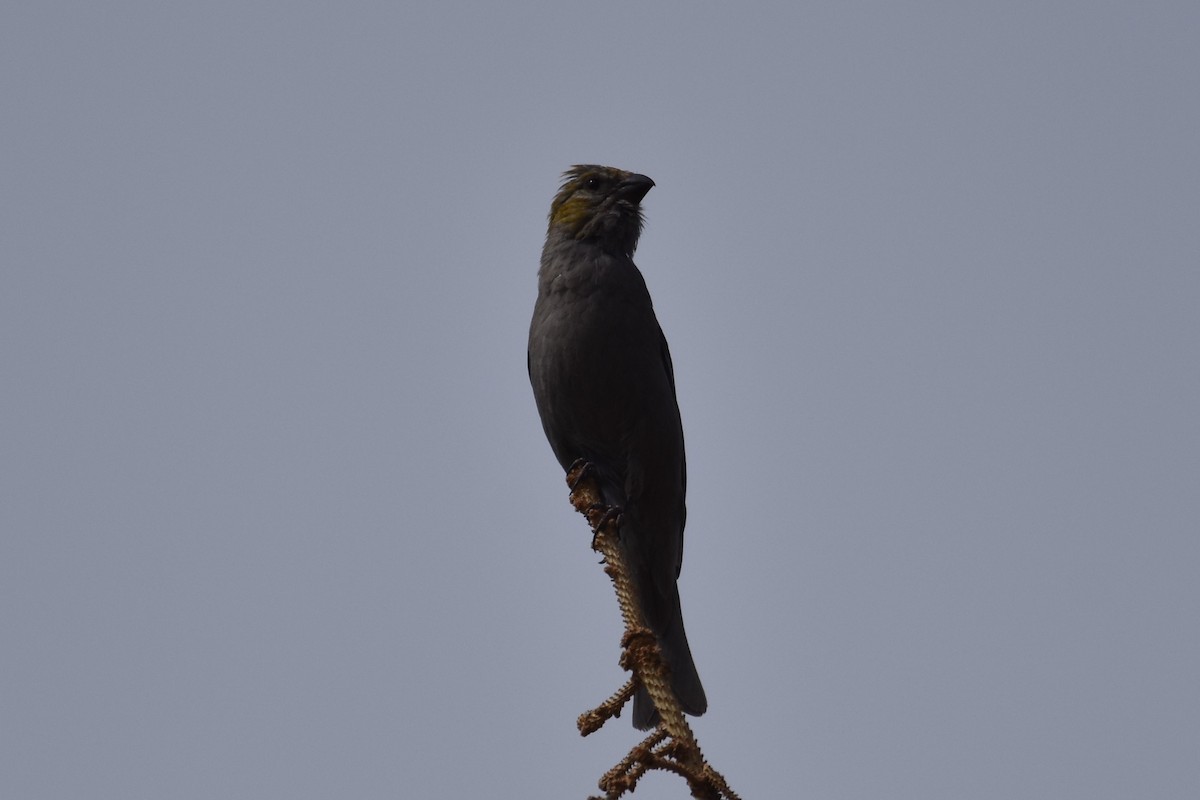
point(684, 678)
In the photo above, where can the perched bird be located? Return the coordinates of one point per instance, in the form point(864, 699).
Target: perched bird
point(605, 391)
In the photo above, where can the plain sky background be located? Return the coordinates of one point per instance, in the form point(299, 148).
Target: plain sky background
point(278, 519)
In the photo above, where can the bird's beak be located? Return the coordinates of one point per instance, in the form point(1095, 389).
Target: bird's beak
point(634, 187)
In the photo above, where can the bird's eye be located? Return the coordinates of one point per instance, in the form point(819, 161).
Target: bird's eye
point(591, 184)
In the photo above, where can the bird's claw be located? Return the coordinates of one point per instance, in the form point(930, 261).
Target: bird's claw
point(606, 514)
point(580, 469)
point(600, 517)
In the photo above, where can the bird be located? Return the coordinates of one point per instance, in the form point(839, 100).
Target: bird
point(604, 387)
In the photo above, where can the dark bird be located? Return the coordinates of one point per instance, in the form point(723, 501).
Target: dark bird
point(605, 390)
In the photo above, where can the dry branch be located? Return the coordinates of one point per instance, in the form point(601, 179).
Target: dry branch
point(672, 746)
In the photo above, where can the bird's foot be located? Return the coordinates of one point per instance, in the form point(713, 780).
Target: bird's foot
point(603, 519)
point(604, 515)
point(579, 470)
point(587, 499)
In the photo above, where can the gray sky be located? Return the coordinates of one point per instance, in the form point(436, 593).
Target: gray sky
point(278, 518)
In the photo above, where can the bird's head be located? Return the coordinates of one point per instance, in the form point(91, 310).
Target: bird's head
point(601, 203)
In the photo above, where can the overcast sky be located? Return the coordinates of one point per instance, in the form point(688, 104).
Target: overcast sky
point(277, 517)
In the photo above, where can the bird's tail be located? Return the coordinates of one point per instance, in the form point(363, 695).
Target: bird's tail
point(684, 678)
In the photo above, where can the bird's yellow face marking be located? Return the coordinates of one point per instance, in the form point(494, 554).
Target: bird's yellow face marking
point(572, 212)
